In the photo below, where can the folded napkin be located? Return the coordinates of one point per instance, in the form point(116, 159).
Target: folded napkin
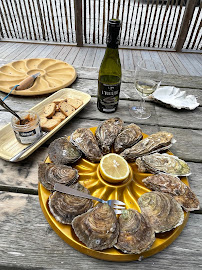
point(175, 98)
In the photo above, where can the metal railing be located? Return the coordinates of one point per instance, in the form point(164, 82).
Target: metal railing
point(159, 24)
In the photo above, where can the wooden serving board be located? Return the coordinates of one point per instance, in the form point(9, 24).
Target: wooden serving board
point(9, 144)
point(54, 75)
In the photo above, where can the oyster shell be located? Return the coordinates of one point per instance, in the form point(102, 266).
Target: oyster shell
point(130, 135)
point(173, 97)
point(84, 139)
point(49, 174)
point(173, 185)
point(98, 228)
point(156, 163)
point(163, 211)
point(107, 132)
point(154, 143)
point(136, 234)
point(66, 207)
point(61, 151)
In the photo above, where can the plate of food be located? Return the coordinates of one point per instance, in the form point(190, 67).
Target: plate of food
point(155, 191)
point(54, 112)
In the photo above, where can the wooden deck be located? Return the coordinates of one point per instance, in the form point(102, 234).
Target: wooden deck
point(174, 63)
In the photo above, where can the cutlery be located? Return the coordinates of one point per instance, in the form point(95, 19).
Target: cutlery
point(118, 206)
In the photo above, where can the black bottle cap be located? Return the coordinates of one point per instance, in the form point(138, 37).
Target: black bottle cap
point(113, 37)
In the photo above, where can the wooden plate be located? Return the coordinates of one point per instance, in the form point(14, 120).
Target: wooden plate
point(129, 191)
point(9, 144)
point(55, 74)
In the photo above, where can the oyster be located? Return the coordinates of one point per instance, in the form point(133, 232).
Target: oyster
point(173, 185)
point(84, 139)
point(156, 163)
point(98, 228)
point(130, 135)
point(174, 97)
point(163, 211)
point(49, 174)
point(66, 207)
point(136, 234)
point(61, 151)
point(154, 143)
point(107, 132)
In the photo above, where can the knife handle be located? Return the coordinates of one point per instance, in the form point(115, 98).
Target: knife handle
point(26, 83)
point(72, 191)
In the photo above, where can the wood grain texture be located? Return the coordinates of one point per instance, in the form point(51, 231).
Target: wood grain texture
point(40, 247)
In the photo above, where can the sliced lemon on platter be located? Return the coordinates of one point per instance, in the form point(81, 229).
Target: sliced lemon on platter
point(114, 168)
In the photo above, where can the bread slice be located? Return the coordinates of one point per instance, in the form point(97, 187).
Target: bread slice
point(59, 115)
point(43, 120)
point(66, 108)
point(49, 110)
point(58, 100)
point(50, 124)
point(74, 102)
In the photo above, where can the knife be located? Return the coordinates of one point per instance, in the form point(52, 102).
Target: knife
point(27, 82)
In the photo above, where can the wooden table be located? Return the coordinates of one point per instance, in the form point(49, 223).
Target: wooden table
point(26, 239)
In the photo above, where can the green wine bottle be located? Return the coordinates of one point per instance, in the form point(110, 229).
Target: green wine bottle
point(109, 80)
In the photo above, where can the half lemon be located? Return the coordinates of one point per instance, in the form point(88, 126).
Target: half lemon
point(114, 168)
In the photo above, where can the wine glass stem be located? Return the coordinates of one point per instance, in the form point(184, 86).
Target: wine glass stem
point(142, 105)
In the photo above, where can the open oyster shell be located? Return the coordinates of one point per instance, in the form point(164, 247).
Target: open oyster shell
point(174, 97)
point(163, 211)
point(98, 228)
point(61, 151)
point(65, 207)
point(107, 132)
point(173, 185)
point(169, 164)
point(136, 234)
point(49, 174)
point(154, 143)
point(84, 139)
point(130, 135)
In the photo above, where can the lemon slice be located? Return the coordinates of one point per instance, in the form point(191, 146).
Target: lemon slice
point(114, 168)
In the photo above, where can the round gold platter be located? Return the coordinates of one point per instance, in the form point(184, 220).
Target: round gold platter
point(128, 191)
point(54, 75)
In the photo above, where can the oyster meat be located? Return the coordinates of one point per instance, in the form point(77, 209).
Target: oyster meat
point(154, 143)
point(49, 174)
point(169, 164)
point(136, 234)
point(107, 132)
point(163, 211)
point(84, 139)
point(173, 185)
point(129, 136)
point(98, 228)
point(61, 151)
point(66, 207)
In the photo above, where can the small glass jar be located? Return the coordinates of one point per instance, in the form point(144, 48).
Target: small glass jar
point(29, 129)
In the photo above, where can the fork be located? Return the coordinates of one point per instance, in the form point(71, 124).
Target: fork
point(115, 204)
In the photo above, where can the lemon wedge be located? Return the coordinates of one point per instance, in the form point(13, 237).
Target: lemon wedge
point(114, 168)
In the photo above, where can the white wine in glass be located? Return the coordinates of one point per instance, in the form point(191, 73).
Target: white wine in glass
point(148, 75)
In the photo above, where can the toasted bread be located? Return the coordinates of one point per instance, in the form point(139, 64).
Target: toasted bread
point(74, 102)
point(49, 110)
point(50, 124)
point(59, 115)
point(66, 109)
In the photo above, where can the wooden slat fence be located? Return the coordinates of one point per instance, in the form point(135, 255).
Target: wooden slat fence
point(145, 23)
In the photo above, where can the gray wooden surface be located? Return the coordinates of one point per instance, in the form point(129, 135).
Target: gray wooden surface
point(27, 240)
point(173, 63)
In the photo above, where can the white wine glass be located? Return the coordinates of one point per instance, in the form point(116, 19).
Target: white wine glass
point(148, 76)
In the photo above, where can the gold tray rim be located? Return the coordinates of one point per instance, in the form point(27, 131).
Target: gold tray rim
point(7, 128)
point(106, 254)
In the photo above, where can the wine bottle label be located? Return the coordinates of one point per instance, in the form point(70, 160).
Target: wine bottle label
point(109, 96)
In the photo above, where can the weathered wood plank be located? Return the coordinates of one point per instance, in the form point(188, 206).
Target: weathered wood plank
point(188, 64)
point(137, 57)
point(63, 53)
point(178, 64)
point(72, 55)
point(24, 54)
point(79, 60)
point(5, 54)
point(98, 57)
point(167, 63)
point(90, 56)
point(155, 57)
point(55, 51)
point(37, 51)
point(40, 247)
point(128, 60)
point(168, 79)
